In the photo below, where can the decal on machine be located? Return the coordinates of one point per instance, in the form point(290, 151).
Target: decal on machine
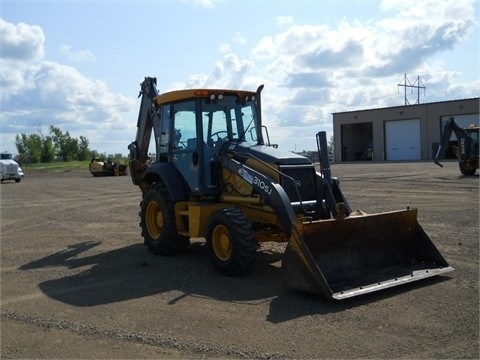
point(254, 180)
point(261, 184)
point(245, 175)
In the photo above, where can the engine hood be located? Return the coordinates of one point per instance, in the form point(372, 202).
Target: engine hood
point(266, 154)
point(8, 162)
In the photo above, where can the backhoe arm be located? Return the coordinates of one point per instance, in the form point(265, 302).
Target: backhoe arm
point(462, 137)
point(139, 148)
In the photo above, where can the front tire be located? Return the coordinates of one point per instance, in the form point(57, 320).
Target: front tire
point(157, 220)
point(230, 242)
point(467, 171)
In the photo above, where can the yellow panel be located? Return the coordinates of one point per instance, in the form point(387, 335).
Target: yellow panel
point(263, 168)
point(234, 184)
point(192, 217)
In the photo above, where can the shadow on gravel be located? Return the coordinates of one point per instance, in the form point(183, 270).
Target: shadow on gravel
point(132, 272)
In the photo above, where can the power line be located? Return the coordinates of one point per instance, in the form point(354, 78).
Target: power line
point(417, 85)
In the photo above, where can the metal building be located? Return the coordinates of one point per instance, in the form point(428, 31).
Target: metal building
point(409, 132)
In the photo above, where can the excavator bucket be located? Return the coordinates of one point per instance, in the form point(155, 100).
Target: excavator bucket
point(342, 258)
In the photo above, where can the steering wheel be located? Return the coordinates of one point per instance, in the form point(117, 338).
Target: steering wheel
point(210, 141)
point(218, 136)
point(181, 145)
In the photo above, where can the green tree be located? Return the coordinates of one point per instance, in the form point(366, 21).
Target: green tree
point(94, 154)
point(21, 146)
point(83, 152)
point(35, 148)
point(48, 149)
point(29, 147)
point(66, 147)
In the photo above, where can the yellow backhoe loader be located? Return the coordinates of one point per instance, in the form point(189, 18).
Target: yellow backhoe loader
point(466, 147)
point(216, 177)
point(100, 167)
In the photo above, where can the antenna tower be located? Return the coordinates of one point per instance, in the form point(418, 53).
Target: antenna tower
point(417, 85)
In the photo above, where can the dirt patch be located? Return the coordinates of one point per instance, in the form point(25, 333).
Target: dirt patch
point(77, 282)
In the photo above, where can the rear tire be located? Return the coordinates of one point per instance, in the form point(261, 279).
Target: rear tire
point(467, 171)
point(157, 220)
point(230, 242)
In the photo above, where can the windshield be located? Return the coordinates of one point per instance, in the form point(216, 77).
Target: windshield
point(229, 118)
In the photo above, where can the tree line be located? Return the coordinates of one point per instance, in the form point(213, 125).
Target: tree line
point(56, 146)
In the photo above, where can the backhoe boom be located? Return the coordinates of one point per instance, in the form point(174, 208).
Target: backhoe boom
point(466, 149)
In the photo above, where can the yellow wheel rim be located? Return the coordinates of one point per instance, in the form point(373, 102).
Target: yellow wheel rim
point(221, 243)
point(154, 219)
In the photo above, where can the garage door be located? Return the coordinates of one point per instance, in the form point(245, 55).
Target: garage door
point(402, 140)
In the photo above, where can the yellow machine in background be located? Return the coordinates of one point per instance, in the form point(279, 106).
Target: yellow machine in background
point(466, 147)
point(99, 167)
point(215, 176)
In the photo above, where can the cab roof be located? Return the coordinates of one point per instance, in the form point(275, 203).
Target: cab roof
point(178, 95)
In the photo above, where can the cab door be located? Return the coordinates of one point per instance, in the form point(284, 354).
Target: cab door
point(183, 142)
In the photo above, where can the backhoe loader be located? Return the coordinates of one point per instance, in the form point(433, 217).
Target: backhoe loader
point(100, 167)
point(217, 177)
point(466, 148)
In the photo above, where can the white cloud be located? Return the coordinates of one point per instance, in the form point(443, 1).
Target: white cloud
point(265, 49)
point(357, 65)
point(390, 46)
point(224, 48)
point(239, 39)
point(36, 91)
point(21, 42)
point(283, 20)
point(201, 3)
point(80, 56)
point(309, 71)
point(230, 72)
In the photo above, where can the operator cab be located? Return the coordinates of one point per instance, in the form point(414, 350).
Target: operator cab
point(199, 126)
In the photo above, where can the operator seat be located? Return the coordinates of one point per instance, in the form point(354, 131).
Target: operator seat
point(192, 144)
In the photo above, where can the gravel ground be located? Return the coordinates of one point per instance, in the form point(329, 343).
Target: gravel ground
point(77, 282)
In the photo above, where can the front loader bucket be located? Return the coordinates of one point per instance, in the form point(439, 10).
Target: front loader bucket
point(360, 254)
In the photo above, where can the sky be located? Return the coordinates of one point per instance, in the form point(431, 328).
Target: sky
point(78, 65)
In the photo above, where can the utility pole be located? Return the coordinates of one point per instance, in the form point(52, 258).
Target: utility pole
point(417, 85)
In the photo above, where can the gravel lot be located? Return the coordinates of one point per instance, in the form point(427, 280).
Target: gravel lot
point(77, 282)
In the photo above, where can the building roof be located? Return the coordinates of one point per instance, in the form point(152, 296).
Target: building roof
point(403, 106)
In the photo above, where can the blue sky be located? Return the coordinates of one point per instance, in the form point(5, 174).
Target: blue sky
point(77, 65)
